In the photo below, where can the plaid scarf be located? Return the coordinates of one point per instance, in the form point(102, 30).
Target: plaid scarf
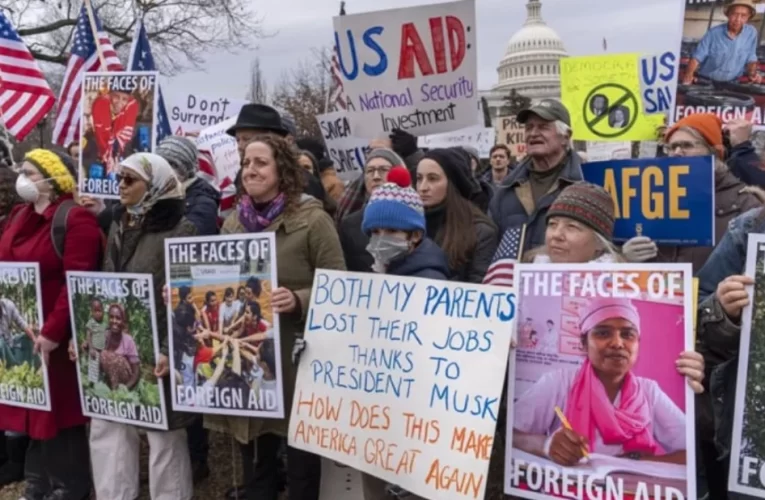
point(254, 220)
point(354, 197)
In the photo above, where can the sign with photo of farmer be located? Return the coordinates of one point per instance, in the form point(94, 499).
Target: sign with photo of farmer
point(118, 119)
point(115, 338)
point(23, 375)
point(224, 345)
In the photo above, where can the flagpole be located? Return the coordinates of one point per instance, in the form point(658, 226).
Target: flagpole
point(94, 30)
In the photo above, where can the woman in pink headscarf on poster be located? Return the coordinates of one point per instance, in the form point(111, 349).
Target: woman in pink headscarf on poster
point(611, 410)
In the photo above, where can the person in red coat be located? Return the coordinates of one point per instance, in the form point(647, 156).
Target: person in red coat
point(57, 463)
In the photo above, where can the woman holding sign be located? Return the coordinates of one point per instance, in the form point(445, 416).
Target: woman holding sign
point(271, 200)
point(151, 210)
point(57, 462)
point(467, 235)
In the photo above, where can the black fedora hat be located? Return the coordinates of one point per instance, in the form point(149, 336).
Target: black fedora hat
point(260, 117)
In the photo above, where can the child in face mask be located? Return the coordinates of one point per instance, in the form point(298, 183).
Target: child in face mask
point(395, 219)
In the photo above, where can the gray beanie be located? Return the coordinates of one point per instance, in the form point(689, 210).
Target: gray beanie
point(181, 153)
point(386, 154)
point(473, 152)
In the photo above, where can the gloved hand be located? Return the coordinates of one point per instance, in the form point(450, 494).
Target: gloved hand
point(297, 350)
point(639, 249)
point(403, 143)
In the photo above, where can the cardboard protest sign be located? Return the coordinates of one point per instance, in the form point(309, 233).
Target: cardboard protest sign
point(670, 200)
point(658, 80)
point(348, 153)
point(602, 93)
point(478, 136)
point(512, 134)
point(747, 457)
point(719, 73)
point(190, 112)
point(583, 331)
point(224, 346)
point(118, 119)
point(412, 68)
point(115, 335)
point(604, 151)
point(389, 385)
point(23, 375)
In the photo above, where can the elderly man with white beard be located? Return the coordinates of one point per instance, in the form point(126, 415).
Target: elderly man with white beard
point(550, 165)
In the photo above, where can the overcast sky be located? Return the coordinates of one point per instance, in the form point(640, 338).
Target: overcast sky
point(628, 26)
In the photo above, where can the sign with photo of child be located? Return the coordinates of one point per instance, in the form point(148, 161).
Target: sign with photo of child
point(115, 341)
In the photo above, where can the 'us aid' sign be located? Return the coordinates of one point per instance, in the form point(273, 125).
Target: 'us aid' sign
point(413, 69)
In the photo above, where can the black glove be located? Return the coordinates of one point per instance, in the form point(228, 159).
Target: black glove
point(404, 144)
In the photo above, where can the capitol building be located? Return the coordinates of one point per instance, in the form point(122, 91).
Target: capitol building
point(530, 64)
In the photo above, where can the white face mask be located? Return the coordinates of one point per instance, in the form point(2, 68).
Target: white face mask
point(384, 249)
point(27, 189)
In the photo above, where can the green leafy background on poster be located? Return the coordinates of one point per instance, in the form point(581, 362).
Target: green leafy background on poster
point(753, 427)
point(24, 296)
point(138, 312)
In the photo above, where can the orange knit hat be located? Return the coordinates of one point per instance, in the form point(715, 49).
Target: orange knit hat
point(706, 124)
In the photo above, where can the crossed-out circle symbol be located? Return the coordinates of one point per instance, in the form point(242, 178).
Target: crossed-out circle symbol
point(617, 98)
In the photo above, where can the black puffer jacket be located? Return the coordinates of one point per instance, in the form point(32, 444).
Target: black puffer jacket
point(202, 202)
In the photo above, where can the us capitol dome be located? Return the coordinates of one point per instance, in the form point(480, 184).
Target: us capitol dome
point(530, 64)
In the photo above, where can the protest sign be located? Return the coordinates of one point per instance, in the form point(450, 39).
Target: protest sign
point(348, 153)
point(225, 155)
point(412, 68)
point(719, 74)
point(580, 325)
point(118, 119)
point(512, 134)
point(224, 345)
point(602, 93)
point(670, 200)
point(658, 80)
point(605, 151)
point(478, 137)
point(747, 457)
point(115, 337)
point(190, 112)
point(390, 383)
point(23, 375)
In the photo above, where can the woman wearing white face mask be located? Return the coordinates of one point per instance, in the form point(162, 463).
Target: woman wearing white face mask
point(395, 218)
point(49, 228)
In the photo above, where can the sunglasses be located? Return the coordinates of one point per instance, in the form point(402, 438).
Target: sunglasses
point(126, 179)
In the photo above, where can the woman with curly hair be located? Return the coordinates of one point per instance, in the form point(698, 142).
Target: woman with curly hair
point(271, 199)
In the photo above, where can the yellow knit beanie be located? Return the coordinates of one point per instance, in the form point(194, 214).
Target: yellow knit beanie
point(52, 166)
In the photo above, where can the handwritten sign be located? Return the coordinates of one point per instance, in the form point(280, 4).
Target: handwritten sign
point(658, 79)
point(394, 383)
point(659, 198)
point(479, 137)
point(604, 151)
point(602, 94)
point(225, 154)
point(348, 153)
point(190, 112)
point(413, 68)
point(512, 134)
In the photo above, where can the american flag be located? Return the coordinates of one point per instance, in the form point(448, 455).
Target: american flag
point(502, 269)
point(84, 57)
point(337, 94)
point(141, 59)
point(25, 97)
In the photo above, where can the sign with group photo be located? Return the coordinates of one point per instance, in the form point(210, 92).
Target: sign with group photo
point(224, 341)
point(670, 200)
point(393, 381)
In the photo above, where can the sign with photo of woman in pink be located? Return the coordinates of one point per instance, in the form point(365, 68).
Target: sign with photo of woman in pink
point(598, 404)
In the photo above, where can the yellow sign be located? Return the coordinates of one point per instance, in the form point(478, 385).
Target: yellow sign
point(602, 94)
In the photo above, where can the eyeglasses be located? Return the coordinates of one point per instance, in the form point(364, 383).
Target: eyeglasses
point(371, 171)
point(685, 146)
point(126, 179)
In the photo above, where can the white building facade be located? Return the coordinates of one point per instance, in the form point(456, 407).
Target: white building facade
point(531, 64)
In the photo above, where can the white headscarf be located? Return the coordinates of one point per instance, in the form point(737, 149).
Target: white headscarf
point(157, 172)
